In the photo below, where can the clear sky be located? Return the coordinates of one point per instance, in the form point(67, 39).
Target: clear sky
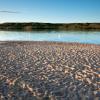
point(56, 11)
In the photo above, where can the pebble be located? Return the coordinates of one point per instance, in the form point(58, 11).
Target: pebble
point(49, 71)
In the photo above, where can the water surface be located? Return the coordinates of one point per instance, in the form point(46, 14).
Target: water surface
point(68, 36)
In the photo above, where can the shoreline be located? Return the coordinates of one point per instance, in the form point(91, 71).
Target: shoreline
point(49, 42)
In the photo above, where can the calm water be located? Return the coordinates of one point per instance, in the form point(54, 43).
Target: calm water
point(69, 36)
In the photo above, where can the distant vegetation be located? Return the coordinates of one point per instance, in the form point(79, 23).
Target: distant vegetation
point(49, 26)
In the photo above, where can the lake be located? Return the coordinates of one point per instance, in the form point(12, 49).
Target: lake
point(92, 37)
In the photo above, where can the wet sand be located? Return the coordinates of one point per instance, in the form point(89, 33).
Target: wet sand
point(49, 71)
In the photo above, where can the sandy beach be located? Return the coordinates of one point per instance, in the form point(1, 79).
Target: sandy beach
point(49, 71)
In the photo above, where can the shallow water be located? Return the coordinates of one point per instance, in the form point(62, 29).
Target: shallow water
point(65, 36)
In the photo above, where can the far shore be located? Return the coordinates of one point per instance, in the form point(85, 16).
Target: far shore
point(36, 26)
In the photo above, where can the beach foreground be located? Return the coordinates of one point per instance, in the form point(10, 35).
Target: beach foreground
point(49, 71)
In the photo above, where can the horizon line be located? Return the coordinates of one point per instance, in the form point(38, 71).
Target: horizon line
point(49, 22)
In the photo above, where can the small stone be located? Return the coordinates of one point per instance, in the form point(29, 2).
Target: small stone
point(97, 93)
point(88, 80)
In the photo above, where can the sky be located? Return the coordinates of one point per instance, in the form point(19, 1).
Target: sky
point(53, 11)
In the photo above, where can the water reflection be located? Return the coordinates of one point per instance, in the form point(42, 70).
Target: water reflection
point(60, 36)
